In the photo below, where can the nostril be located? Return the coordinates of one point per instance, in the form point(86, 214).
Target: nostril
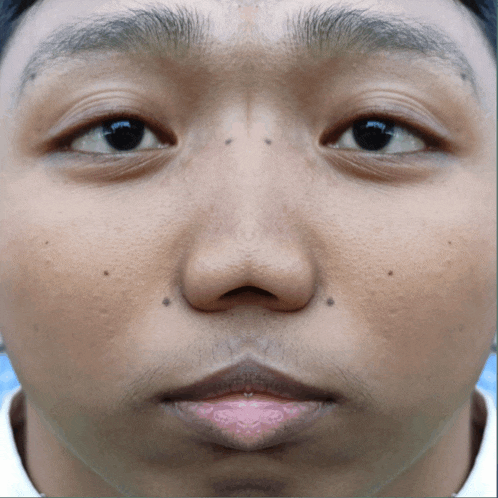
point(248, 288)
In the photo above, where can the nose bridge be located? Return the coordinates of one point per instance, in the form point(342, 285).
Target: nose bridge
point(251, 170)
point(248, 237)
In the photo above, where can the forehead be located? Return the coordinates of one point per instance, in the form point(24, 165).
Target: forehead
point(250, 30)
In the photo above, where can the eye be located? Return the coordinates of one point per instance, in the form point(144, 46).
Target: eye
point(118, 135)
point(379, 135)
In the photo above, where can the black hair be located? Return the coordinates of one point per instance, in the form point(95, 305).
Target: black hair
point(11, 12)
point(485, 12)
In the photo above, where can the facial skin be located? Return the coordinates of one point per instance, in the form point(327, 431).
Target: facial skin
point(250, 195)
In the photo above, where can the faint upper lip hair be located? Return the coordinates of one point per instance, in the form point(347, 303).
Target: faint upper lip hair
point(249, 376)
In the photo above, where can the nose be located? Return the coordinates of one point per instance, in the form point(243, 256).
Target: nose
point(275, 276)
point(249, 248)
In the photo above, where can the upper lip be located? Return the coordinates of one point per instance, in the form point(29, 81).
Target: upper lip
point(249, 376)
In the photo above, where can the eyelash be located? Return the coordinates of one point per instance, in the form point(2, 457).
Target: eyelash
point(432, 140)
point(64, 141)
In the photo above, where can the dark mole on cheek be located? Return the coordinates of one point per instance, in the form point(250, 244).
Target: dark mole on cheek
point(166, 301)
point(449, 242)
point(390, 273)
point(330, 301)
point(46, 243)
point(464, 76)
point(106, 273)
point(229, 141)
point(268, 141)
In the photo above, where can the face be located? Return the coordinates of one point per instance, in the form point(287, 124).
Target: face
point(348, 194)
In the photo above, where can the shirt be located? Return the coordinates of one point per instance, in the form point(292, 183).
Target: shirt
point(14, 480)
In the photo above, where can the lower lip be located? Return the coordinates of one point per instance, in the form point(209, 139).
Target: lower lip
point(249, 423)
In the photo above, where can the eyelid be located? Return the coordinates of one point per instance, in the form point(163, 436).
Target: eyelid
point(69, 130)
point(434, 135)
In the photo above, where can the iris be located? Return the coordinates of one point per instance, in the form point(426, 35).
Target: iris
point(123, 135)
point(373, 134)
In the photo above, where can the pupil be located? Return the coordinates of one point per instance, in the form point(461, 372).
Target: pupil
point(125, 134)
point(372, 134)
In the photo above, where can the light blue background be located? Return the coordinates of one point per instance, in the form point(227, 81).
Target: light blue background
point(487, 381)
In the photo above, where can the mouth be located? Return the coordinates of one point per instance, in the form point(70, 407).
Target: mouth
point(248, 377)
point(249, 406)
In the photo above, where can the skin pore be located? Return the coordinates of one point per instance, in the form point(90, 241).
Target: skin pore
point(372, 274)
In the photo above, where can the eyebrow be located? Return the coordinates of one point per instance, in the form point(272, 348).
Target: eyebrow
point(323, 32)
point(176, 33)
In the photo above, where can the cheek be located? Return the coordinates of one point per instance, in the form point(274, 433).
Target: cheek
point(427, 326)
point(58, 308)
point(433, 308)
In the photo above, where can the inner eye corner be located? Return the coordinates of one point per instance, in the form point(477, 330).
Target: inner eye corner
point(331, 136)
point(169, 138)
